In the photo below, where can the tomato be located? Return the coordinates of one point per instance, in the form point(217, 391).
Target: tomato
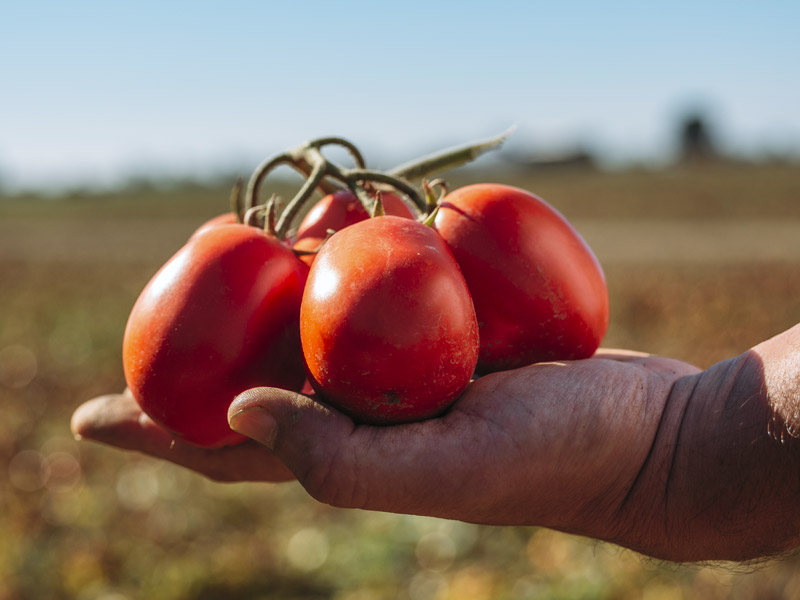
point(228, 218)
point(387, 325)
point(309, 245)
point(538, 289)
point(221, 316)
point(337, 211)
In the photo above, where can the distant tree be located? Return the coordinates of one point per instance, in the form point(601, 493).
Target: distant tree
point(696, 140)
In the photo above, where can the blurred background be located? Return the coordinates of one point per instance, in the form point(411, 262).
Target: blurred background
point(668, 133)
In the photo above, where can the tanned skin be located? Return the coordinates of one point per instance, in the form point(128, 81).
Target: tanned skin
point(643, 451)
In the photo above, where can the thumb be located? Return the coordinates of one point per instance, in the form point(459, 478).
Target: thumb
point(308, 437)
point(341, 463)
point(259, 413)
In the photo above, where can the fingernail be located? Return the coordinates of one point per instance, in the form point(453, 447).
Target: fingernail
point(256, 423)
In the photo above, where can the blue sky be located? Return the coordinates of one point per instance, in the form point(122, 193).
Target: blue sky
point(94, 91)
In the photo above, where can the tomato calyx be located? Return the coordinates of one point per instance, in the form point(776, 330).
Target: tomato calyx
point(378, 209)
point(432, 201)
point(429, 188)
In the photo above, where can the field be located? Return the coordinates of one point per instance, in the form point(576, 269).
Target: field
point(702, 262)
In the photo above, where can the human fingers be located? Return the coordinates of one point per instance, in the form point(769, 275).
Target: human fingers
point(117, 420)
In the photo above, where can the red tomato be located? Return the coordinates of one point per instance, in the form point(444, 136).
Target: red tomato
point(539, 291)
point(307, 244)
point(224, 219)
point(387, 325)
point(337, 211)
point(221, 316)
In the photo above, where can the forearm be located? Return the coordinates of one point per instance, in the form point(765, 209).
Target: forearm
point(724, 470)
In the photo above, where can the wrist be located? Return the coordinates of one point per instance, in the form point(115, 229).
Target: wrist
point(718, 483)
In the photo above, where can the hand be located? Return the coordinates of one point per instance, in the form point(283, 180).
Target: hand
point(643, 451)
point(551, 444)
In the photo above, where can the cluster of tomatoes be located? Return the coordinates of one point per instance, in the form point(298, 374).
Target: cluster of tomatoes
point(388, 318)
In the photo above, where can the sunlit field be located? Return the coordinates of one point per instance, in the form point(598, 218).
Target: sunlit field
point(702, 262)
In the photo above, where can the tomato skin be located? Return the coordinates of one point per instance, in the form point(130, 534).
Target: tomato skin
point(538, 289)
point(337, 211)
point(221, 316)
point(310, 245)
point(228, 218)
point(388, 329)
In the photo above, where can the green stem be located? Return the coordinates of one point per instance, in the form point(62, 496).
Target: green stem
point(416, 169)
point(363, 196)
point(329, 177)
point(298, 160)
point(261, 172)
point(303, 167)
point(350, 147)
point(236, 199)
point(251, 214)
point(448, 159)
point(296, 203)
point(396, 182)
